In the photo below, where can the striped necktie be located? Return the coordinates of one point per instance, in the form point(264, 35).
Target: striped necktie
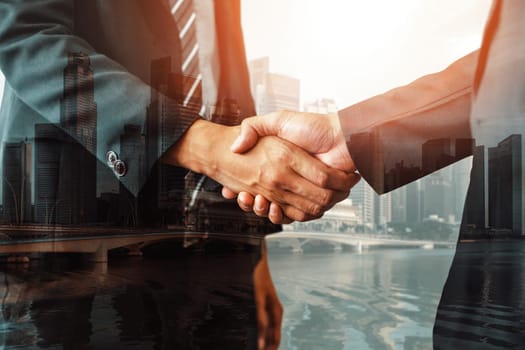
point(184, 14)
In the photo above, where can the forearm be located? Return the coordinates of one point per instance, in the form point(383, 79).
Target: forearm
point(388, 135)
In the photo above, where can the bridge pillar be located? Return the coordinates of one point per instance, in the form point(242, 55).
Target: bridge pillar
point(338, 247)
point(101, 254)
point(360, 247)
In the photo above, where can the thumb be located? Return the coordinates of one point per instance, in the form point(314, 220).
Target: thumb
point(251, 129)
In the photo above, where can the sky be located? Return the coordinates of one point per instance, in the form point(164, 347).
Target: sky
point(349, 50)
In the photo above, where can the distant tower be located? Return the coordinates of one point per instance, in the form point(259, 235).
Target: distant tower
point(362, 196)
point(17, 168)
point(505, 185)
point(78, 108)
point(48, 148)
point(132, 148)
point(399, 204)
point(272, 92)
point(475, 213)
point(414, 202)
point(165, 188)
point(75, 145)
point(382, 209)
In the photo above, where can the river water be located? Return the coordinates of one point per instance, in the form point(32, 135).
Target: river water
point(377, 299)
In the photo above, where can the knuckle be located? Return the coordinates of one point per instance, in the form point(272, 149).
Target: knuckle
point(315, 210)
point(322, 179)
point(327, 198)
point(270, 176)
point(300, 216)
point(282, 154)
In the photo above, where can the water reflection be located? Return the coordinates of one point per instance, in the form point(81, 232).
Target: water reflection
point(190, 302)
point(377, 300)
point(380, 299)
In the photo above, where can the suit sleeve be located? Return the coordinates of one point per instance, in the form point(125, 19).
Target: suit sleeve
point(411, 131)
point(35, 40)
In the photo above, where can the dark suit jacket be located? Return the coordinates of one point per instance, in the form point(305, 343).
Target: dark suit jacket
point(474, 106)
point(84, 78)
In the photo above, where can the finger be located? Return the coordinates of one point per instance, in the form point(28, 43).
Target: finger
point(308, 197)
point(248, 136)
point(277, 216)
point(245, 201)
point(295, 214)
point(319, 174)
point(342, 195)
point(261, 206)
point(354, 179)
point(228, 194)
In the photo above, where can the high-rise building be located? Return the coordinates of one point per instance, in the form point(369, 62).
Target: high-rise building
point(475, 213)
point(414, 202)
point(369, 146)
point(17, 169)
point(322, 106)
point(436, 154)
point(78, 164)
point(362, 196)
point(460, 183)
point(132, 148)
point(382, 209)
point(282, 92)
point(273, 92)
point(48, 148)
point(258, 68)
point(505, 185)
point(167, 106)
point(78, 108)
point(399, 205)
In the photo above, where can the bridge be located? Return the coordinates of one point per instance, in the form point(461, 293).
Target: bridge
point(360, 242)
point(97, 241)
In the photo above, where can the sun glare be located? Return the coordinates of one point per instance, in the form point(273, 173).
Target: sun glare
point(349, 50)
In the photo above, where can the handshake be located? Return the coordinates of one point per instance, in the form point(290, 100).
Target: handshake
point(308, 168)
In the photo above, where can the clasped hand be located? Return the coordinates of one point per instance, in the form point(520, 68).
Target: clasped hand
point(318, 135)
point(301, 186)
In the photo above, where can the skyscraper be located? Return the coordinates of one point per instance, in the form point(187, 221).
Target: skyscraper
point(65, 154)
point(48, 147)
point(132, 148)
point(272, 92)
point(474, 215)
point(17, 168)
point(362, 196)
point(78, 108)
point(165, 187)
point(414, 202)
point(399, 204)
point(382, 209)
point(505, 185)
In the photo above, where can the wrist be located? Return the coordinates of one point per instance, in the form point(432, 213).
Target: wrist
point(201, 147)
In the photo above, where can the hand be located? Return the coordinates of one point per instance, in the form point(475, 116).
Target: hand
point(268, 306)
point(283, 173)
point(318, 134)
